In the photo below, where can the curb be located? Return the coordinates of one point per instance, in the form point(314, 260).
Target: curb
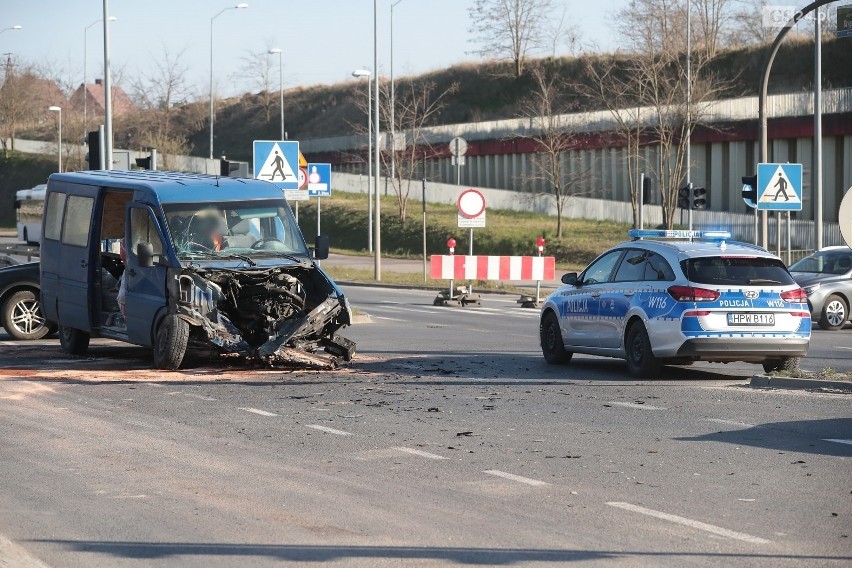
point(795, 383)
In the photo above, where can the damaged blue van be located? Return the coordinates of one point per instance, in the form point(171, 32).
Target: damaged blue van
point(213, 264)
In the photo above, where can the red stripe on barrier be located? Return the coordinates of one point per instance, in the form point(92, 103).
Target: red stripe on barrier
point(482, 268)
point(549, 268)
point(458, 267)
point(526, 268)
point(505, 268)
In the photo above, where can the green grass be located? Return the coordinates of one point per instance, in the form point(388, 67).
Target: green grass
point(344, 221)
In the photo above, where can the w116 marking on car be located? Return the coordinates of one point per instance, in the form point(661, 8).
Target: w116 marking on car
point(751, 319)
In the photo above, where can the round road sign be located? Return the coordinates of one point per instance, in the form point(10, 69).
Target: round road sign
point(844, 217)
point(471, 203)
point(458, 146)
point(303, 178)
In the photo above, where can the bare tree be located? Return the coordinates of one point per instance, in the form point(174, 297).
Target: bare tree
point(261, 69)
point(554, 138)
point(509, 29)
point(653, 81)
point(416, 105)
point(158, 97)
point(18, 105)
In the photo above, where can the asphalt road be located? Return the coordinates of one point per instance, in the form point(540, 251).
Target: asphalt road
point(448, 441)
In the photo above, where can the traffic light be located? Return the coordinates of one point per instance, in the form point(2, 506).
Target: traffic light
point(750, 190)
point(699, 198)
point(94, 156)
point(683, 197)
point(646, 190)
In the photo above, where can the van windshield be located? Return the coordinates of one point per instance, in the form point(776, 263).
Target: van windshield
point(218, 230)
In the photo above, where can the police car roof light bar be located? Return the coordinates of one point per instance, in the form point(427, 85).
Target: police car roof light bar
point(678, 234)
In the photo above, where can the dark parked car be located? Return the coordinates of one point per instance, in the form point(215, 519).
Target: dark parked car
point(20, 308)
point(826, 276)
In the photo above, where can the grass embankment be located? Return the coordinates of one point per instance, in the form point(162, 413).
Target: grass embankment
point(344, 220)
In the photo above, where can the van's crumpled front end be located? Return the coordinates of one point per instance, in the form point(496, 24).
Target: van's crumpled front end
point(271, 315)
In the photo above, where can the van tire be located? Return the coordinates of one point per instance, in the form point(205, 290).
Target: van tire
point(73, 341)
point(170, 344)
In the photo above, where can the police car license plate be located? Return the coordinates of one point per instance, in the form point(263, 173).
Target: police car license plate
point(751, 319)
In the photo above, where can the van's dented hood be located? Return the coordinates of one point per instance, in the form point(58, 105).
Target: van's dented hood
point(270, 314)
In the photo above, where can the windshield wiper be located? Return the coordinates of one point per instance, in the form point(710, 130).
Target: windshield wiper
point(242, 257)
point(762, 281)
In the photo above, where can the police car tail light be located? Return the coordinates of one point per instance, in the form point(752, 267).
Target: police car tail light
point(797, 296)
point(692, 294)
point(696, 313)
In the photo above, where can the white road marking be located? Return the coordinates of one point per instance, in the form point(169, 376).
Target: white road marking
point(837, 441)
point(514, 477)
point(690, 523)
point(261, 412)
point(387, 318)
point(729, 422)
point(329, 430)
point(421, 453)
point(841, 347)
point(636, 405)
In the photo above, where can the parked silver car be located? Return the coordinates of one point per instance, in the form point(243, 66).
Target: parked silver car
point(826, 276)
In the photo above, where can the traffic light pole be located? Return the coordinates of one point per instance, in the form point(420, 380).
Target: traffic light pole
point(764, 150)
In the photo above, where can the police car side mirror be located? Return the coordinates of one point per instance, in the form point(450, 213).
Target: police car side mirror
point(570, 278)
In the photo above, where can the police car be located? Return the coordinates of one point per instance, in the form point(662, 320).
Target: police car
point(674, 297)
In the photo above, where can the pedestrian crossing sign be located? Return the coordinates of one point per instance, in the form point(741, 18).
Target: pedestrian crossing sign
point(779, 187)
point(277, 161)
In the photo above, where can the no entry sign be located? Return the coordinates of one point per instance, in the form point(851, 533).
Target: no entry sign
point(471, 206)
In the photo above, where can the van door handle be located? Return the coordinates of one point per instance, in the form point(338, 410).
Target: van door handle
point(84, 263)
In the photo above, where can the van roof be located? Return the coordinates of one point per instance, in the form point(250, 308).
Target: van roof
point(176, 187)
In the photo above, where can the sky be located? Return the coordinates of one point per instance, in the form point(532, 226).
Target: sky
point(322, 41)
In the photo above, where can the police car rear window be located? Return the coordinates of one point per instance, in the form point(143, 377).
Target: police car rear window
point(739, 271)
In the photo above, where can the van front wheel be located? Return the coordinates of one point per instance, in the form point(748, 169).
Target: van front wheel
point(73, 341)
point(170, 346)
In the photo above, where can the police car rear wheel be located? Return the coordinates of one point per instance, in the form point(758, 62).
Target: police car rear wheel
point(781, 364)
point(834, 313)
point(641, 361)
point(551, 341)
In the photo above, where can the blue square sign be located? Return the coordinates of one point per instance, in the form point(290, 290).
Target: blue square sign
point(319, 180)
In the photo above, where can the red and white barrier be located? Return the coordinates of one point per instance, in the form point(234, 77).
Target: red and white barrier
point(461, 267)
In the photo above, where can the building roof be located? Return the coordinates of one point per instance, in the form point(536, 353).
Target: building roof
point(121, 103)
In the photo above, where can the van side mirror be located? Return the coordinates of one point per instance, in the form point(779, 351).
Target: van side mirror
point(321, 246)
point(145, 254)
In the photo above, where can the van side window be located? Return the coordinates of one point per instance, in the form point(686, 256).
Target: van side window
point(143, 229)
point(53, 216)
point(78, 221)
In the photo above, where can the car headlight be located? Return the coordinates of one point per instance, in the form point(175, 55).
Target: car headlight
point(809, 290)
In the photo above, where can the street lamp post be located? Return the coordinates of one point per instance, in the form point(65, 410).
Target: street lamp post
point(58, 110)
point(11, 28)
point(238, 6)
point(280, 86)
point(392, 98)
point(366, 73)
point(86, 76)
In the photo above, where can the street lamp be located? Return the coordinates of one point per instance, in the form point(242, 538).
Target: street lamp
point(86, 76)
point(392, 98)
point(59, 143)
point(237, 7)
point(280, 85)
point(366, 73)
point(11, 28)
